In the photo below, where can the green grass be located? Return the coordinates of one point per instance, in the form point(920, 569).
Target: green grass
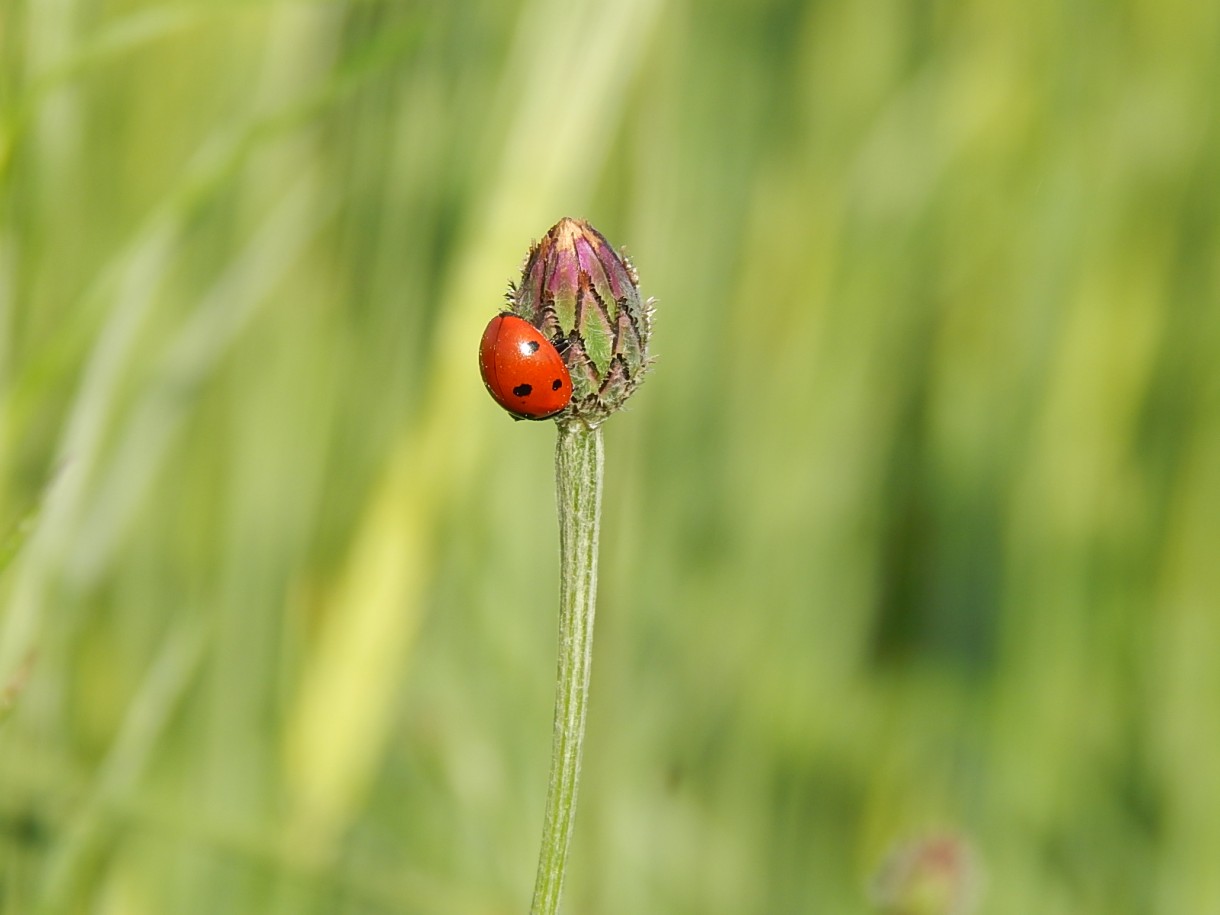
point(914, 526)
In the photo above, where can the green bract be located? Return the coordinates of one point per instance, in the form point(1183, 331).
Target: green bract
point(585, 296)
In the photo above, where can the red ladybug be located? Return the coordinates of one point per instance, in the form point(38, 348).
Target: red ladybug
point(522, 370)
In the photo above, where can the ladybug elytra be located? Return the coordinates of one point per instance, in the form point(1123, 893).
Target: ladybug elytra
point(522, 370)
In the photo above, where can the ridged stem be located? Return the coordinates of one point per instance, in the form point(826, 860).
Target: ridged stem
point(578, 484)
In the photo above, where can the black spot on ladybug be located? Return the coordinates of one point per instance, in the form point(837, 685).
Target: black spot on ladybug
point(532, 346)
point(523, 390)
point(556, 384)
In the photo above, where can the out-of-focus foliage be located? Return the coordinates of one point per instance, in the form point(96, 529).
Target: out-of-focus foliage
point(913, 531)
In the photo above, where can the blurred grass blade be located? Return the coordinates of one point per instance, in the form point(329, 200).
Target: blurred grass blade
point(120, 773)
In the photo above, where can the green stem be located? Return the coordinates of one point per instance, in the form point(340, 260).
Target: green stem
point(578, 485)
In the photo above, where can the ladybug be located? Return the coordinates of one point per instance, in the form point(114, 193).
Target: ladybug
point(522, 369)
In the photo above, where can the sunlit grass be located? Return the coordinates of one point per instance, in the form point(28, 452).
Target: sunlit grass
point(912, 529)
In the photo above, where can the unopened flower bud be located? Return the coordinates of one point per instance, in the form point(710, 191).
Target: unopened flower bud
point(584, 296)
point(935, 875)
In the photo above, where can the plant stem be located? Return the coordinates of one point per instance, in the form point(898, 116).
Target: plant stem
point(578, 486)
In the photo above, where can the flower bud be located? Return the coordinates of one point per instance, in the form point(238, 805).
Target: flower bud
point(584, 296)
point(933, 875)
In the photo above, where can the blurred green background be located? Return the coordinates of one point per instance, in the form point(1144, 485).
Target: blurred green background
point(913, 531)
